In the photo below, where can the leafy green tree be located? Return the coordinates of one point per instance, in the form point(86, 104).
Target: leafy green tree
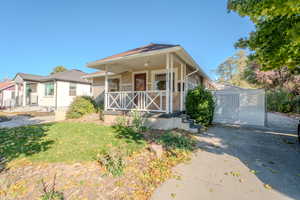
point(275, 43)
point(231, 70)
point(58, 69)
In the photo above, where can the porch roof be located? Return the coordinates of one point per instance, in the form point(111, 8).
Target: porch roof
point(121, 62)
point(6, 84)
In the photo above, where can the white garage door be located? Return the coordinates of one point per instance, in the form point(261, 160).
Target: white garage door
point(240, 106)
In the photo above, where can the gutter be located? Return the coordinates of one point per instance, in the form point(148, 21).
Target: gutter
point(168, 50)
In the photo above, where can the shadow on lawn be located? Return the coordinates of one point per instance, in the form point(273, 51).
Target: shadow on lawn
point(128, 134)
point(22, 141)
point(170, 140)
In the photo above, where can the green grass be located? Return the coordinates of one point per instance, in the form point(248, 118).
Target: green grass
point(62, 142)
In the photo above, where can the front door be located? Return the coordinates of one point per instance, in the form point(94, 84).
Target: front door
point(140, 82)
point(139, 85)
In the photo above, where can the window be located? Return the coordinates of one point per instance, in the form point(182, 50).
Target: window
point(13, 94)
point(72, 89)
point(160, 81)
point(49, 89)
point(33, 88)
point(113, 85)
point(179, 86)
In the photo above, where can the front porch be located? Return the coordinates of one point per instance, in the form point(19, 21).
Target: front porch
point(152, 78)
point(159, 86)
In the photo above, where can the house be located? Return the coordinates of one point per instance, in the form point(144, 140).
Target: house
point(151, 78)
point(7, 92)
point(54, 91)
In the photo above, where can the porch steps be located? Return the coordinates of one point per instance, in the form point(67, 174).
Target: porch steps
point(189, 124)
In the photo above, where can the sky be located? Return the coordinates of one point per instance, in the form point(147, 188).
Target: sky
point(36, 36)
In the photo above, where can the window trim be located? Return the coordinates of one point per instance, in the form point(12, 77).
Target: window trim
point(45, 90)
point(164, 71)
point(139, 72)
point(115, 77)
point(70, 83)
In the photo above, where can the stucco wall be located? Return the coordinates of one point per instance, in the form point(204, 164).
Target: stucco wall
point(63, 97)
point(5, 97)
point(48, 101)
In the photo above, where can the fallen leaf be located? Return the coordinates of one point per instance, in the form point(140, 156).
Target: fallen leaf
point(267, 186)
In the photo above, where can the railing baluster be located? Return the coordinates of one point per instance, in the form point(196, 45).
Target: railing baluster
point(139, 100)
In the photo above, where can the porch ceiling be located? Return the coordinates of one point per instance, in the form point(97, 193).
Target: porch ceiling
point(135, 64)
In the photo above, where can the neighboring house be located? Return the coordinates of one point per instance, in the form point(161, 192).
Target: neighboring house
point(151, 78)
point(53, 91)
point(7, 92)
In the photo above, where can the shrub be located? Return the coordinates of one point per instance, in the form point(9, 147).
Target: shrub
point(280, 100)
point(173, 140)
point(138, 121)
point(81, 106)
point(200, 105)
point(50, 193)
point(113, 161)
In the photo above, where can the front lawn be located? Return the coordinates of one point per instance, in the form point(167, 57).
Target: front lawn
point(88, 160)
point(61, 142)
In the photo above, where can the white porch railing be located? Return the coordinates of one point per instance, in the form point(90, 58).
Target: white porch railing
point(152, 101)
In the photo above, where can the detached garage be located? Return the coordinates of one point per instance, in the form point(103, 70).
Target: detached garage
point(236, 105)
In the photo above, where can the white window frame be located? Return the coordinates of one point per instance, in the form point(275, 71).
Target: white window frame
point(70, 89)
point(115, 77)
point(164, 71)
point(45, 86)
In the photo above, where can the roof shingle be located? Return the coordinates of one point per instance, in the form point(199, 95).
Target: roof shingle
point(143, 49)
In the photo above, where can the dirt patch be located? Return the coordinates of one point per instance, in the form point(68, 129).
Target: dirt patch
point(76, 181)
point(91, 118)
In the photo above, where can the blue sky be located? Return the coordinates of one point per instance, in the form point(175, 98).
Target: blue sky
point(36, 35)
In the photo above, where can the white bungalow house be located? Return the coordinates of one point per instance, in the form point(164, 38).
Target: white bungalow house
point(7, 92)
point(53, 91)
point(151, 78)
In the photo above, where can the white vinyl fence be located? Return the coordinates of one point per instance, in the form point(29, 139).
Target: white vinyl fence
point(240, 106)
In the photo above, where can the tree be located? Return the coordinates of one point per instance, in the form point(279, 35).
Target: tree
point(231, 70)
point(59, 68)
point(273, 79)
point(276, 41)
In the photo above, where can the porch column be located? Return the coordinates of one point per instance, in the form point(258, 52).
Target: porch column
point(24, 93)
point(16, 94)
point(181, 86)
point(106, 90)
point(185, 82)
point(172, 82)
point(167, 83)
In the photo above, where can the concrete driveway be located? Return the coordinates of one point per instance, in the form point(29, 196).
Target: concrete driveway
point(236, 164)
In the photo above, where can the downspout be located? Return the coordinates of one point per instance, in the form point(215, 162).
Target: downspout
point(187, 76)
point(55, 94)
point(191, 73)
